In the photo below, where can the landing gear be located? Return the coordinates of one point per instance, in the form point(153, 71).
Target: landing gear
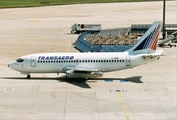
point(28, 76)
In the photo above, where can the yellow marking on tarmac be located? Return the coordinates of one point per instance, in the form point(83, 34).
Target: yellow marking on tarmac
point(127, 118)
point(34, 21)
point(120, 97)
point(121, 100)
point(119, 94)
point(123, 105)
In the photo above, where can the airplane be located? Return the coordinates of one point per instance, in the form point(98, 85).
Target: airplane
point(90, 65)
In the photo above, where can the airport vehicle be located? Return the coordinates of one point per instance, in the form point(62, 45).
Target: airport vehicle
point(162, 42)
point(175, 39)
point(172, 38)
point(89, 65)
point(79, 28)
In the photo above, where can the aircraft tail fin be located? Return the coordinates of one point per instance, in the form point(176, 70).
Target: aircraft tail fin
point(148, 42)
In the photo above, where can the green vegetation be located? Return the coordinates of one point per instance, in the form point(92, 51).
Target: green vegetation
point(32, 3)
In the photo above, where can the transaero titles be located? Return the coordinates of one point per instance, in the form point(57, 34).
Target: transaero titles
point(55, 58)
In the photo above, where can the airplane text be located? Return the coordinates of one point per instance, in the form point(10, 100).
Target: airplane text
point(55, 57)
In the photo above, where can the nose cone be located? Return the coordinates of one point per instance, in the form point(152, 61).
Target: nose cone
point(10, 65)
point(13, 65)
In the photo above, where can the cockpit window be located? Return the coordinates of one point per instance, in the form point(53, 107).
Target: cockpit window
point(20, 60)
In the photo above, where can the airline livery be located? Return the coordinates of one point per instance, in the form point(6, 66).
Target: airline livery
point(89, 65)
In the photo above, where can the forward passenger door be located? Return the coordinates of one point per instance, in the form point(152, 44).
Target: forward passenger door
point(33, 61)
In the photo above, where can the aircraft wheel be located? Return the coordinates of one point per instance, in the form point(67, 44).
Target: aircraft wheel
point(28, 76)
point(161, 45)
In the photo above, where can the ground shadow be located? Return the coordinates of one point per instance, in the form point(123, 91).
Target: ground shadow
point(79, 82)
point(134, 79)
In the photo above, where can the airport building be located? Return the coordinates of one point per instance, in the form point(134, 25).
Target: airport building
point(110, 40)
point(114, 40)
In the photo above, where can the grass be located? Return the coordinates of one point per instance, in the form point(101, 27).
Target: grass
point(34, 3)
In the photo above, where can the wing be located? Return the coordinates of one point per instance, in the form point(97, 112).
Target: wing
point(80, 69)
point(79, 72)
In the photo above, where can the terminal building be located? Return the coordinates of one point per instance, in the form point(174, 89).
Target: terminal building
point(112, 40)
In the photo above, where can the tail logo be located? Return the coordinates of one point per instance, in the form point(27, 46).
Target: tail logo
point(150, 42)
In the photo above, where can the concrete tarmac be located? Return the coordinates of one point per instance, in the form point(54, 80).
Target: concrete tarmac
point(146, 92)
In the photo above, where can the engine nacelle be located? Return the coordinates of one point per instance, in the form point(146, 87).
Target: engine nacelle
point(82, 74)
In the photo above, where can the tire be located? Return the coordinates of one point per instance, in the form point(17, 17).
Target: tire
point(82, 26)
point(28, 76)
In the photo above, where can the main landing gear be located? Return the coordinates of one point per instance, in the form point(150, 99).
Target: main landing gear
point(28, 76)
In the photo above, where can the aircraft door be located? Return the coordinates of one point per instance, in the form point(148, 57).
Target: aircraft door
point(77, 62)
point(33, 61)
point(128, 61)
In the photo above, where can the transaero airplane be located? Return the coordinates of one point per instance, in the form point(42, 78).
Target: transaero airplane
point(90, 65)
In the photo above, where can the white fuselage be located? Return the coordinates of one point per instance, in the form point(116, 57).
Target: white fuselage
point(57, 62)
point(87, 65)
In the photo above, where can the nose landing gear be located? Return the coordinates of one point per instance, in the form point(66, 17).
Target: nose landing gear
point(28, 76)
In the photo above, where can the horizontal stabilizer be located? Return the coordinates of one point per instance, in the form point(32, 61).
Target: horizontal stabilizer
point(156, 54)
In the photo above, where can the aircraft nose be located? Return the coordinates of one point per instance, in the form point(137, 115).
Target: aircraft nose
point(11, 65)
